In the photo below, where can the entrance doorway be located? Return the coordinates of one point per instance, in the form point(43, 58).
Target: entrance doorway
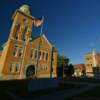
point(30, 71)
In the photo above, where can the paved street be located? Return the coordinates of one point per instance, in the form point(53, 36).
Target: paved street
point(60, 95)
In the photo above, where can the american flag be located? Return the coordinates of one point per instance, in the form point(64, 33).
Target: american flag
point(38, 22)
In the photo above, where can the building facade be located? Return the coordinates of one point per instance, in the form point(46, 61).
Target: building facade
point(92, 63)
point(79, 70)
point(23, 57)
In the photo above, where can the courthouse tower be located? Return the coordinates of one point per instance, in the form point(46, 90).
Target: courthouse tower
point(18, 41)
point(22, 24)
point(18, 59)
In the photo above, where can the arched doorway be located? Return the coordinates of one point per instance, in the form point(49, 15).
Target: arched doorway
point(30, 71)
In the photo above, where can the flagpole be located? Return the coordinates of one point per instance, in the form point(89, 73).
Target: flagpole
point(41, 30)
point(38, 49)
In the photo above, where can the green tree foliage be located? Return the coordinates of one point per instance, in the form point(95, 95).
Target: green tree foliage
point(70, 70)
point(62, 61)
point(64, 68)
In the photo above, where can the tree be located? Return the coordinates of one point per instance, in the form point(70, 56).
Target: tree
point(70, 70)
point(62, 63)
point(64, 68)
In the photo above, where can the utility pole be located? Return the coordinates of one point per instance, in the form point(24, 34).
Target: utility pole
point(51, 68)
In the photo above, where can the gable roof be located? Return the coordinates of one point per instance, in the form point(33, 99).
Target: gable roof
point(42, 35)
point(79, 66)
point(47, 40)
point(44, 38)
point(55, 49)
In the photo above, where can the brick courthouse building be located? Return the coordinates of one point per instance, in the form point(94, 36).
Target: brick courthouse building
point(24, 57)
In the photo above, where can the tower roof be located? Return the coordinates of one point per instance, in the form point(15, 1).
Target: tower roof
point(25, 9)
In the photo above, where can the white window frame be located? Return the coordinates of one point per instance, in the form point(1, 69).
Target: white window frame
point(13, 67)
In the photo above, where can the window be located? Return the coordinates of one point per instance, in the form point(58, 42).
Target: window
point(17, 67)
point(24, 32)
point(46, 56)
point(11, 67)
point(15, 51)
point(36, 54)
point(14, 67)
point(20, 52)
point(25, 21)
point(53, 57)
point(31, 55)
point(43, 55)
point(39, 55)
point(17, 30)
point(45, 68)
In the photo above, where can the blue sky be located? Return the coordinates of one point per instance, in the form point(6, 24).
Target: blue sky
point(73, 26)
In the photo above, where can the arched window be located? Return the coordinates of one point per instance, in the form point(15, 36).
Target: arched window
point(53, 59)
point(20, 52)
point(17, 31)
point(24, 32)
point(46, 56)
point(15, 51)
point(36, 54)
point(43, 55)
